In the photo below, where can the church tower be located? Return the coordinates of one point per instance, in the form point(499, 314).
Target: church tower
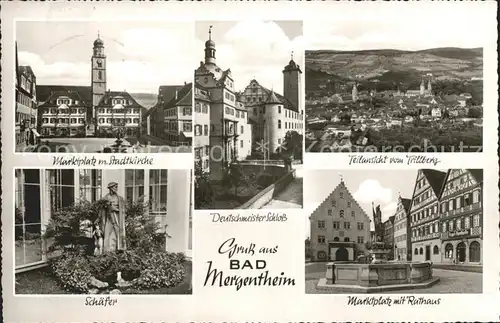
point(98, 63)
point(429, 86)
point(354, 92)
point(422, 87)
point(292, 85)
point(210, 49)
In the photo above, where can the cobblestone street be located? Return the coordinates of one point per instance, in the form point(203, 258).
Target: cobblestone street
point(451, 282)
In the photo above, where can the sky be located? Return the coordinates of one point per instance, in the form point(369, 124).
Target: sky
point(382, 187)
point(141, 56)
point(253, 49)
point(405, 27)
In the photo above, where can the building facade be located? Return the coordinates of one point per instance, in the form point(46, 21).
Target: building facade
point(64, 114)
point(424, 216)
point(117, 109)
point(272, 114)
point(461, 216)
point(402, 233)
point(202, 128)
point(388, 226)
point(228, 116)
point(26, 106)
point(178, 117)
point(340, 228)
point(41, 192)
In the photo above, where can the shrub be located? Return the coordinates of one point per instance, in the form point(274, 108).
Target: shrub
point(161, 270)
point(72, 270)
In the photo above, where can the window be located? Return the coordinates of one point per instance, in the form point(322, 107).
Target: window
point(336, 239)
point(205, 130)
point(349, 204)
point(361, 226)
point(476, 196)
point(334, 203)
point(321, 224)
point(336, 224)
point(242, 129)
point(27, 217)
point(353, 214)
point(361, 240)
point(241, 143)
point(416, 251)
point(186, 111)
point(450, 225)
point(90, 184)
point(347, 225)
point(467, 222)
point(346, 239)
point(187, 126)
point(158, 179)
point(134, 184)
point(279, 124)
point(321, 239)
point(435, 250)
point(330, 212)
point(448, 251)
point(475, 220)
point(62, 188)
point(421, 251)
point(341, 213)
point(279, 108)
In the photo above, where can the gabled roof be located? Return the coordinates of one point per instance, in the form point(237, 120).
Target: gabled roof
point(105, 100)
point(44, 91)
point(272, 98)
point(435, 179)
point(51, 99)
point(183, 97)
point(406, 204)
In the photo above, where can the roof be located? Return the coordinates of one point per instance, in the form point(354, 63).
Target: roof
point(292, 66)
point(406, 204)
point(272, 98)
point(435, 179)
point(111, 94)
point(145, 99)
point(44, 91)
point(51, 99)
point(182, 97)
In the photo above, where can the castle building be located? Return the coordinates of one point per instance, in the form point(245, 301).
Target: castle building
point(26, 107)
point(39, 193)
point(461, 216)
point(424, 216)
point(229, 132)
point(402, 233)
point(340, 228)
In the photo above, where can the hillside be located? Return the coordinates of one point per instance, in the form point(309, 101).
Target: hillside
point(387, 66)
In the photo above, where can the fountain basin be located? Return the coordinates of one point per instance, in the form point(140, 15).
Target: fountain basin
point(377, 277)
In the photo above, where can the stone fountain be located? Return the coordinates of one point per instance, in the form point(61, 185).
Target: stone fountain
point(118, 146)
point(379, 274)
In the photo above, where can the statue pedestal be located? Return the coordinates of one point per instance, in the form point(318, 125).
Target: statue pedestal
point(378, 256)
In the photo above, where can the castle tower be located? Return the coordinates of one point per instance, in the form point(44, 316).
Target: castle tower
point(355, 92)
point(98, 63)
point(292, 85)
point(422, 87)
point(210, 49)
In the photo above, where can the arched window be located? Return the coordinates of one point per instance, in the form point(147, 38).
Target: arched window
point(475, 252)
point(435, 250)
point(341, 213)
point(476, 196)
point(346, 239)
point(336, 239)
point(421, 251)
point(416, 251)
point(448, 251)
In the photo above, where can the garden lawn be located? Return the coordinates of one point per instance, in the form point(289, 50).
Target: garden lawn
point(41, 281)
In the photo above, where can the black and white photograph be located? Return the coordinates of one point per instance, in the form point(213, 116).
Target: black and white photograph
point(103, 231)
point(103, 87)
point(385, 231)
point(249, 115)
point(395, 85)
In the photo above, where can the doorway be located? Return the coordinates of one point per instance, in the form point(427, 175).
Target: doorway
point(427, 253)
point(341, 254)
point(461, 252)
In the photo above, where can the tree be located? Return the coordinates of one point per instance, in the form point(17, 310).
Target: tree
point(474, 113)
point(233, 176)
point(292, 146)
point(203, 189)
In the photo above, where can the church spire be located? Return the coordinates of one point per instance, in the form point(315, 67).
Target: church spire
point(210, 48)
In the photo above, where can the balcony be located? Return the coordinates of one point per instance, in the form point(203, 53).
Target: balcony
point(429, 236)
point(464, 209)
